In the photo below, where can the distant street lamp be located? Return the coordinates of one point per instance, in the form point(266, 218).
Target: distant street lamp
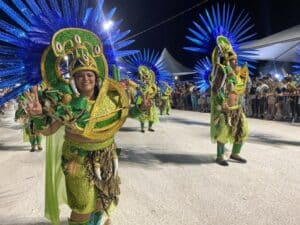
point(108, 24)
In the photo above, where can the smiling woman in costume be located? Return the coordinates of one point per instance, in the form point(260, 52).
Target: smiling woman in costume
point(92, 108)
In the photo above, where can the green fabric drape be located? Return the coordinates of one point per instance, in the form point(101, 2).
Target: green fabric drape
point(55, 193)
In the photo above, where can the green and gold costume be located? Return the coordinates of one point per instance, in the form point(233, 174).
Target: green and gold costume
point(146, 100)
point(228, 121)
point(165, 101)
point(30, 133)
point(88, 158)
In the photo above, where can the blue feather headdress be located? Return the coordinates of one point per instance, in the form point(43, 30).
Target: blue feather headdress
point(31, 28)
point(152, 60)
point(226, 22)
point(203, 69)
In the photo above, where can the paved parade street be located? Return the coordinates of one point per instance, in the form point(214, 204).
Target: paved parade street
point(170, 177)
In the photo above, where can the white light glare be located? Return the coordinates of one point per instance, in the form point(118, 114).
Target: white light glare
point(108, 24)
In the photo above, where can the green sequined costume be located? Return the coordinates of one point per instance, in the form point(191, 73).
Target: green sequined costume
point(228, 121)
point(223, 130)
point(165, 106)
point(86, 160)
point(145, 101)
point(147, 113)
point(30, 133)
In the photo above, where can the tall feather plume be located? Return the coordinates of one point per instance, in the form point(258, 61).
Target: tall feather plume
point(28, 31)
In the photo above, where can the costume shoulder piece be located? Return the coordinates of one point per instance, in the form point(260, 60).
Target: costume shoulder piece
point(109, 112)
point(242, 79)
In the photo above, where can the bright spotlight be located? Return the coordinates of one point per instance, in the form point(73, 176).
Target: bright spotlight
point(108, 24)
point(176, 77)
point(278, 76)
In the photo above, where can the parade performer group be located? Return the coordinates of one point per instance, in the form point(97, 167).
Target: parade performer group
point(81, 108)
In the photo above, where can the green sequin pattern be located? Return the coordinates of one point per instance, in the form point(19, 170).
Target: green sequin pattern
point(84, 190)
point(104, 123)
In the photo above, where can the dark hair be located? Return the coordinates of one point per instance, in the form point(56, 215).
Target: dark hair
point(97, 88)
point(222, 60)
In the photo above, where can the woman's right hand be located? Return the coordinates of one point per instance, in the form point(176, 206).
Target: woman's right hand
point(34, 106)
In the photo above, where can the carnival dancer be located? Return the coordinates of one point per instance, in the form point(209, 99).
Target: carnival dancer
point(165, 101)
point(29, 131)
point(81, 106)
point(165, 106)
point(217, 36)
point(93, 110)
point(228, 121)
point(149, 71)
point(147, 95)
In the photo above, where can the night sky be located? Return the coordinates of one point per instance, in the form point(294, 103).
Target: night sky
point(269, 17)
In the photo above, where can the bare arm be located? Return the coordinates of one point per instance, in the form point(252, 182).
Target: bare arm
point(51, 129)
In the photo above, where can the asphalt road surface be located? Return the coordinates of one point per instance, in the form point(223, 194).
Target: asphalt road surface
point(170, 177)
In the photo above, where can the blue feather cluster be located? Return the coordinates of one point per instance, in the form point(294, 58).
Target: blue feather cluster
point(222, 20)
point(152, 60)
point(203, 69)
point(31, 28)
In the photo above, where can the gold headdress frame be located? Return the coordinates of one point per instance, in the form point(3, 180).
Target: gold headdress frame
point(224, 49)
point(84, 50)
point(146, 73)
point(63, 45)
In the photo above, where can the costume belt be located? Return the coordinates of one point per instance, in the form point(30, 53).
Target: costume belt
point(86, 146)
point(233, 108)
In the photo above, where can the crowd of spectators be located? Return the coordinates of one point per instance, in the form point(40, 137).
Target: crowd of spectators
point(269, 98)
point(186, 97)
point(266, 98)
